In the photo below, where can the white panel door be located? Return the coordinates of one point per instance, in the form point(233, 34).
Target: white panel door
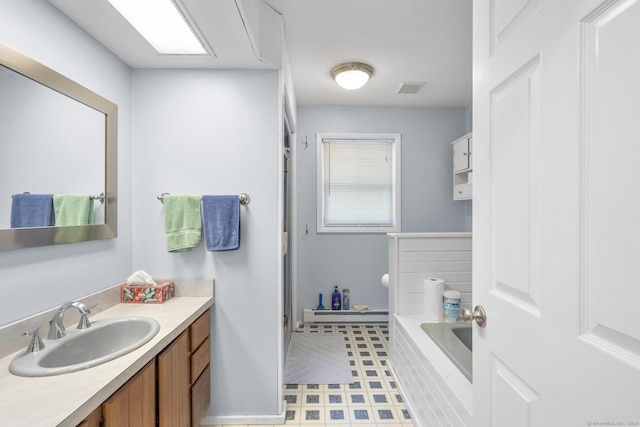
point(556, 212)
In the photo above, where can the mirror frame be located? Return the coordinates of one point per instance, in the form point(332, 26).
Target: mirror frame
point(16, 238)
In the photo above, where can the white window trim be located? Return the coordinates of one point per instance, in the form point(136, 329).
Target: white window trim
point(397, 174)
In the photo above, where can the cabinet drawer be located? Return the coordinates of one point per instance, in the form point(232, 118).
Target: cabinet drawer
point(462, 191)
point(200, 329)
point(200, 359)
point(200, 396)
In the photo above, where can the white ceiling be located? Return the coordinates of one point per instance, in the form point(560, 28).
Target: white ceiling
point(404, 40)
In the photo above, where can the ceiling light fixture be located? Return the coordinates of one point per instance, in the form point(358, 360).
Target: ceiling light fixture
point(162, 24)
point(352, 75)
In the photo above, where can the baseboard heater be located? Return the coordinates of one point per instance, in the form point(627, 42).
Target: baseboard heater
point(345, 316)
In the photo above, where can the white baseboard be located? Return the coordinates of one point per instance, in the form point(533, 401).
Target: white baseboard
point(312, 316)
point(214, 420)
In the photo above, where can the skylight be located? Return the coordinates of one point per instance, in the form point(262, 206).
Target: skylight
point(162, 24)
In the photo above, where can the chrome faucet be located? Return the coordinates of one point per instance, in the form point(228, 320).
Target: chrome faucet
point(56, 325)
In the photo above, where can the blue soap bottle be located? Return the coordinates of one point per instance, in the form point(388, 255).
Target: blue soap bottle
point(336, 299)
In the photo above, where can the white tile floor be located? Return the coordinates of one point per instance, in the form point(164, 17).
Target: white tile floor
point(372, 400)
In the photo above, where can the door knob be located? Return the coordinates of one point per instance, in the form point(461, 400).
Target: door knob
point(478, 314)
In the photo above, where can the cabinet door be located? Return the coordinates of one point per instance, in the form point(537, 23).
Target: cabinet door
point(134, 404)
point(174, 406)
point(461, 155)
point(94, 419)
point(116, 409)
point(142, 397)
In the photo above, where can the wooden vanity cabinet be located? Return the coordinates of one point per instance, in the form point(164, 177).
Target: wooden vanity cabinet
point(184, 384)
point(173, 390)
point(200, 367)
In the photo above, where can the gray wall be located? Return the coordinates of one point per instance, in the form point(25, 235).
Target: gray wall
point(215, 132)
point(32, 280)
point(357, 261)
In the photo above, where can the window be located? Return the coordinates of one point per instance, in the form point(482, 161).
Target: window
point(358, 183)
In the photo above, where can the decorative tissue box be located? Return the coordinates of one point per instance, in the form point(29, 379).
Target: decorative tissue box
point(148, 293)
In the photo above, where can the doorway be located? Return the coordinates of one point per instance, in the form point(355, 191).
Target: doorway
point(287, 282)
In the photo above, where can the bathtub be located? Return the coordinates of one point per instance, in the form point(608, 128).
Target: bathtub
point(434, 384)
point(454, 339)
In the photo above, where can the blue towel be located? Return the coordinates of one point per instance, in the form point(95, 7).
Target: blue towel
point(32, 210)
point(221, 220)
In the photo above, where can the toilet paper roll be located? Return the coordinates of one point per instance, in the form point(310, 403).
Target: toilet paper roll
point(433, 292)
point(385, 280)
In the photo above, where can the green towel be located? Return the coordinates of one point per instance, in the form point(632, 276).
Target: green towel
point(73, 209)
point(182, 222)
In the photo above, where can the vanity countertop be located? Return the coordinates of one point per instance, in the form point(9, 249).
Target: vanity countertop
point(65, 400)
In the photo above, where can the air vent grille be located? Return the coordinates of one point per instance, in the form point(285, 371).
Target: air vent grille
point(411, 87)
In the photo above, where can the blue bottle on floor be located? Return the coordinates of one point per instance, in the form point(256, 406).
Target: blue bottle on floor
point(336, 299)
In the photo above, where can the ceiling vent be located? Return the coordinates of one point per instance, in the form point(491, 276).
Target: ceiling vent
point(411, 87)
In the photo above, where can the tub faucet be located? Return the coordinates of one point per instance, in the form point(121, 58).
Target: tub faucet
point(56, 325)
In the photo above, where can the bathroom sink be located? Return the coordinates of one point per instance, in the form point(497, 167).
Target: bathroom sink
point(105, 340)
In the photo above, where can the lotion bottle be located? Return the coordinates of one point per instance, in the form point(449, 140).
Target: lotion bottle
point(345, 299)
point(336, 299)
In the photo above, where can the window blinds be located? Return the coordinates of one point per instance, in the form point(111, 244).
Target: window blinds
point(358, 182)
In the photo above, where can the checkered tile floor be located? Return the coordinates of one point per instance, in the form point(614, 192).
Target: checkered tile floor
point(373, 399)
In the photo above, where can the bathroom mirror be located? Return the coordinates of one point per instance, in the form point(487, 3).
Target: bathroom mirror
point(56, 137)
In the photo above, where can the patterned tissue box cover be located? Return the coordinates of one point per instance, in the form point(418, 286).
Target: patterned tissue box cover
point(147, 293)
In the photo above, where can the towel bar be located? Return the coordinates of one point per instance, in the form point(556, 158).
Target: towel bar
point(100, 197)
point(244, 198)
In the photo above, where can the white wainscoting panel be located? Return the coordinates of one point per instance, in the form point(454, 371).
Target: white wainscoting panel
point(414, 257)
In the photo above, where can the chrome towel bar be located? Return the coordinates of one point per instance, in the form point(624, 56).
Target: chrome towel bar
point(100, 196)
point(244, 198)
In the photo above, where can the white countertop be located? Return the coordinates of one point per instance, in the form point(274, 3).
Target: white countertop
point(65, 400)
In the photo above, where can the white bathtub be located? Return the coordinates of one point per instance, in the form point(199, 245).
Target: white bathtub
point(434, 389)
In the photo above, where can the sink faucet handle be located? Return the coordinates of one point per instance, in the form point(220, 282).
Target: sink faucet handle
point(36, 343)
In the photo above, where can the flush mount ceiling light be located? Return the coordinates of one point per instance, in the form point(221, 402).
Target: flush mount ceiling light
point(352, 75)
point(162, 24)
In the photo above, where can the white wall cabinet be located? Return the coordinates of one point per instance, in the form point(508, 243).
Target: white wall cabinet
point(463, 168)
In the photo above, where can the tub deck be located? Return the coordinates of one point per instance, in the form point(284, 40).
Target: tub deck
point(436, 392)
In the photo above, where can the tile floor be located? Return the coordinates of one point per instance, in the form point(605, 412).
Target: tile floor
point(373, 399)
